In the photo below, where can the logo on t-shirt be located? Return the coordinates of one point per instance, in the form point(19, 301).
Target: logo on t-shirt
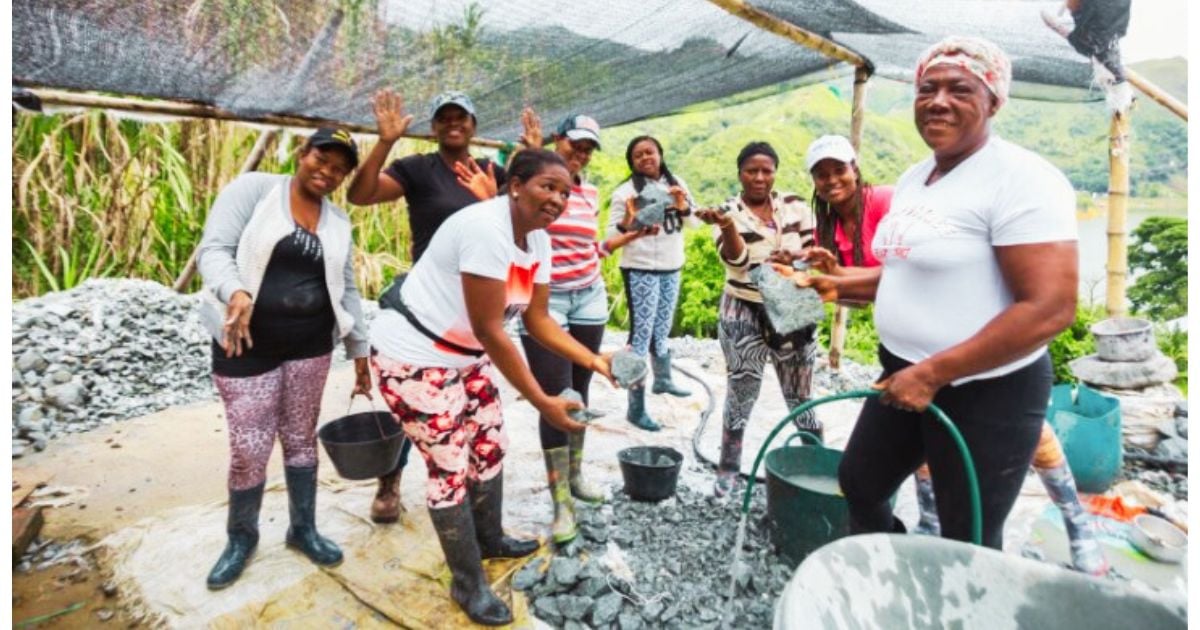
point(518, 289)
point(901, 230)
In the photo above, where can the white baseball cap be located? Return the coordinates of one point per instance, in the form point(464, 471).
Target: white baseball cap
point(830, 147)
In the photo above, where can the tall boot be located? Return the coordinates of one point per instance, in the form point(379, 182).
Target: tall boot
point(302, 510)
point(386, 506)
point(557, 473)
point(1086, 554)
point(730, 464)
point(242, 529)
point(469, 587)
point(636, 415)
point(662, 377)
point(581, 489)
point(929, 523)
point(487, 509)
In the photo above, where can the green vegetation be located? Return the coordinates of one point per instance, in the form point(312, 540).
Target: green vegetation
point(1158, 258)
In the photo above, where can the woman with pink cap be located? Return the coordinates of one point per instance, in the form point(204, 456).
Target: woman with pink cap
point(979, 269)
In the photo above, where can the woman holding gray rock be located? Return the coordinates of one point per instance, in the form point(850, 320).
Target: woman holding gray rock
point(748, 228)
point(277, 262)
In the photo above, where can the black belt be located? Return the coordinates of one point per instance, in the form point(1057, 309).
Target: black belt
point(390, 298)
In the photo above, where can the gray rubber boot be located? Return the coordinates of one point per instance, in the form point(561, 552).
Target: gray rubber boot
point(581, 489)
point(242, 528)
point(469, 587)
point(636, 415)
point(662, 377)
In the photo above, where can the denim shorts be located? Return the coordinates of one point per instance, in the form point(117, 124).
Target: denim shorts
point(584, 307)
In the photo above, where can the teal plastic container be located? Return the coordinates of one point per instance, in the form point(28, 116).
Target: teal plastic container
point(1088, 424)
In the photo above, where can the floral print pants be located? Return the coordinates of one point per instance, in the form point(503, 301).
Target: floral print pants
point(453, 417)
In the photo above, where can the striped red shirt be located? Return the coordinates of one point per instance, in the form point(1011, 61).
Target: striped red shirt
point(575, 254)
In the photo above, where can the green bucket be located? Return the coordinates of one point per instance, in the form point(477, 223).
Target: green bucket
point(805, 507)
point(1088, 424)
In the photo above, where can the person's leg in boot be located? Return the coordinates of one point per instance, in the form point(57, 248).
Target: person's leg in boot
point(730, 463)
point(590, 335)
point(643, 302)
point(745, 356)
point(303, 384)
point(926, 503)
point(1051, 465)
point(487, 508)
point(664, 317)
point(558, 463)
point(252, 414)
point(469, 586)
point(552, 373)
point(386, 506)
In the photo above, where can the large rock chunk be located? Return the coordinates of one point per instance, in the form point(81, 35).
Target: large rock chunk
point(789, 307)
point(1156, 370)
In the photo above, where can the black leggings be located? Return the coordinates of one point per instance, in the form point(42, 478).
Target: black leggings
point(555, 374)
point(1000, 419)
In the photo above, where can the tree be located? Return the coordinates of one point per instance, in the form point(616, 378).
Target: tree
point(1159, 252)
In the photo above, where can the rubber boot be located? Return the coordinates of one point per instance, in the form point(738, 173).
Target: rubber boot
point(929, 523)
point(469, 586)
point(487, 509)
point(386, 506)
point(242, 529)
point(1086, 554)
point(662, 377)
point(581, 489)
point(636, 415)
point(730, 464)
point(563, 529)
point(302, 509)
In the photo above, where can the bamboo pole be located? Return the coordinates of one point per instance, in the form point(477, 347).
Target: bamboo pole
point(1156, 94)
point(200, 110)
point(841, 314)
point(1118, 197)
point(783, 28)
point(251, 164)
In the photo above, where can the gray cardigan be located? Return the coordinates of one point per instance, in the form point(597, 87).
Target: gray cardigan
point(250, 216)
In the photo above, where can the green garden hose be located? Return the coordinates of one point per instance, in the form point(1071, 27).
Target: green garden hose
point(968, 463)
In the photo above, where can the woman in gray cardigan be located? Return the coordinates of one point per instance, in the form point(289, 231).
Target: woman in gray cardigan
point(277, 263)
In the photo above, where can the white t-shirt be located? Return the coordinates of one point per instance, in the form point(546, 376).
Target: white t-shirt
point(941, 281)
point(478, 240)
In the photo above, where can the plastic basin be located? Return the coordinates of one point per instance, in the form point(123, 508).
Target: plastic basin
point(363, 445)
point(1088, 424)
point(1158, 538)
point(651, 473)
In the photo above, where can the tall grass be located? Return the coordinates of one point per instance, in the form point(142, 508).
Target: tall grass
point(97, 195)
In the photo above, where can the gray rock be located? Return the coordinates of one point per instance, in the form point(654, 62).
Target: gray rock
point(30, 418)
point(628, 368)
point(17, 450)
point(789, 307)
point(565, 571)
point(592, 587)
point(574, 625)
point(1156, 370)
point(652, 204)
point(575, 606)
point(606, 609)
point(529, 575)
point(1172, 448)
point(546, 609)
point(629, 621)
point(31, 360)
point(60, 376)
point(66, 396)
point(652, 610)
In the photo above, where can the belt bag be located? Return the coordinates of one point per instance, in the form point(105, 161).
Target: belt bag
point(390, 298)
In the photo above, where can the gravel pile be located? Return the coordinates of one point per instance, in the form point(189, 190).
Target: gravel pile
point(657, 565)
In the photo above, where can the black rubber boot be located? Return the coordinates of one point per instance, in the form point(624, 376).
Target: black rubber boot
point(469, 588)
point(242, 527)
point(662, 377)
point(302, 508)
point(636, 415)
point(487, 508)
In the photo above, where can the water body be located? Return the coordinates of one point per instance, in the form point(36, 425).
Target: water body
point(1093, 245)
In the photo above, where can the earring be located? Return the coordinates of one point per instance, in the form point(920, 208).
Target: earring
point(515, 195)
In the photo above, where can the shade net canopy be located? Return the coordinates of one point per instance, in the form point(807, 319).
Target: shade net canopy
point(616, 60)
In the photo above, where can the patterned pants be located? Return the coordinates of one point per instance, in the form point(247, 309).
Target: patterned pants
point(453, 417)
point(285, 402)
point(652, 298)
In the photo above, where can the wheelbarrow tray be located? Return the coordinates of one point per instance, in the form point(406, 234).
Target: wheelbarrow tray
point(908, 581)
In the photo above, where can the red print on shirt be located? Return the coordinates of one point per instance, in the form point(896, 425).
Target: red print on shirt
point(518, 289)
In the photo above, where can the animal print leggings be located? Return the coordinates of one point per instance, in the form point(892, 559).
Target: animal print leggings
point(285, 402)
point(743, 340)
point(453, 417)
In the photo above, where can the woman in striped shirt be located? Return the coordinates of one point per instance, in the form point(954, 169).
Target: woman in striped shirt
point(579, 303)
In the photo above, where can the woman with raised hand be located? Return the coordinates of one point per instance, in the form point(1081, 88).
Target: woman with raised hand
point(433, 358)
point(650, 268)
point(579, 304)
point(979, 272)
point(749, 228)
point(277, 262)
point(435, 185)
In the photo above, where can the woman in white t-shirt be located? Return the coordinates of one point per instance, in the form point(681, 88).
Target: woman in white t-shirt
point(487, 263)
point(979, 272)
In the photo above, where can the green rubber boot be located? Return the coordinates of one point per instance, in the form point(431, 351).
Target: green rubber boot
point(558, 462)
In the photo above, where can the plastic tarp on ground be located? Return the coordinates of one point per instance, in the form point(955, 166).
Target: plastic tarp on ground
point(618, 60)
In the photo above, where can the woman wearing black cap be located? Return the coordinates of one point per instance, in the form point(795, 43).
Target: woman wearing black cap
point(749, 227)
point(277, 262)
point(435, 185)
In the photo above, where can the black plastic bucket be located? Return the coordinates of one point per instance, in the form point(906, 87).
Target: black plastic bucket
point(650, 472)
point(363, 445)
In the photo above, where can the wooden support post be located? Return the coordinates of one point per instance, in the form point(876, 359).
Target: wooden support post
point(841, 314)
point(251, 164)
point(1156, 94)
point(1118, 197)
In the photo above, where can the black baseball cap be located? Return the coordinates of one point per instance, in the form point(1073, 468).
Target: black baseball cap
point(335, 137)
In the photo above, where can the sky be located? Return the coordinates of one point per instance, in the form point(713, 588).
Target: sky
point(1157, 30)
